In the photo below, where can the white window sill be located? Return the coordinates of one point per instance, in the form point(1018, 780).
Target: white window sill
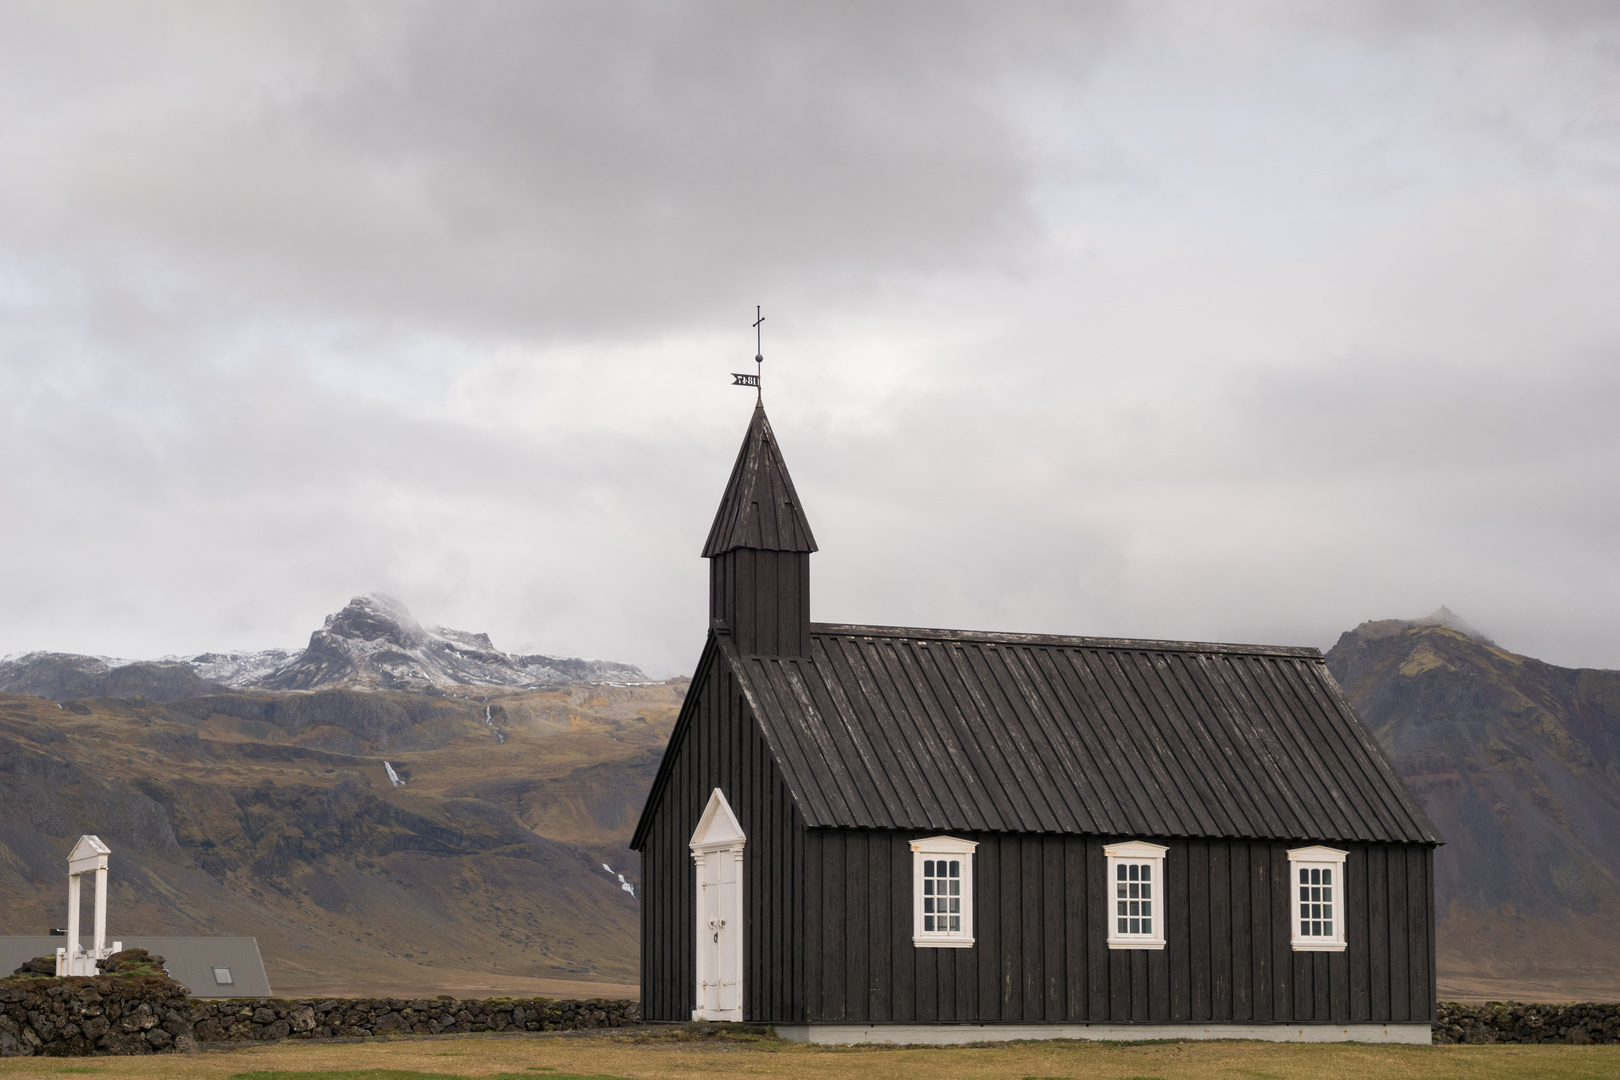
point(942, 942)
point(1319, 946)
point(1136, 944)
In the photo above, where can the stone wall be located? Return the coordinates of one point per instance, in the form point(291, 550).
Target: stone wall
point(152, 1015)
point(149, 1014)
point(102, 1014)
point(258, 1019)
point(1512, 1022)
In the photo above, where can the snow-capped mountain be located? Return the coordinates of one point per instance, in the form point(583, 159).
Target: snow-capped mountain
point(374, 643)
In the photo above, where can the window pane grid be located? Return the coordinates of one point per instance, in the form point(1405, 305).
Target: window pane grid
point(942, 896)
point(1133, 899)
point(1316, 902)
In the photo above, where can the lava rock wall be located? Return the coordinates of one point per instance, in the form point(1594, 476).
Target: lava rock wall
point(95, 1015)
point(1512, 1022)
point(262, 1019)
point(154, 1015)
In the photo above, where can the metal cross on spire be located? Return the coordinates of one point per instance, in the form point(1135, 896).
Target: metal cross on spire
point(759, 362)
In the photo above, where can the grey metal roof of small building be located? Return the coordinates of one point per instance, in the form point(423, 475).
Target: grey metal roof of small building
point(759, 509)
point(889, 727)
point(189, 960)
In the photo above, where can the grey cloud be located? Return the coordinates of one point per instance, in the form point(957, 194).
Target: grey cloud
point(1121, 319)
point(560, 167)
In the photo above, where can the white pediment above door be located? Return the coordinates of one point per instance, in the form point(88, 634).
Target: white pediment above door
point(718, 827)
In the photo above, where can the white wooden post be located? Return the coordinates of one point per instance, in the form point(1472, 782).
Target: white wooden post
point(73, 926)
point(101, 909)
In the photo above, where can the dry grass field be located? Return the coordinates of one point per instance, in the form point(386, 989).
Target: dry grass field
point(644, 1057)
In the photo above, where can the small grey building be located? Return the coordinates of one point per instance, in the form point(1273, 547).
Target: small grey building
point(210, 967)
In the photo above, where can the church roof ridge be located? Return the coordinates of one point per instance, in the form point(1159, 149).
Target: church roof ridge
point(1303, 652)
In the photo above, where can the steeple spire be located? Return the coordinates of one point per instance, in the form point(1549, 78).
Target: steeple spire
point(760, 509)
point(759, 552)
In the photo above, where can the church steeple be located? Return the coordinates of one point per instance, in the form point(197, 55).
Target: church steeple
point(759, 552)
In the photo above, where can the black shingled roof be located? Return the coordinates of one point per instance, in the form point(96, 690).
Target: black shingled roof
point(894, 728)
point(760, 509)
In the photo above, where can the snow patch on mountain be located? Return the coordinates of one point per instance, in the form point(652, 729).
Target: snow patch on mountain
point(238, 668)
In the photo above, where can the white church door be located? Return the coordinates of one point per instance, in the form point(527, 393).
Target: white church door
point(717, 851)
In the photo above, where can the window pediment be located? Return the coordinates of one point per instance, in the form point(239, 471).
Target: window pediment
point(1135, 849)
point(1317, 853)
point(946, 844)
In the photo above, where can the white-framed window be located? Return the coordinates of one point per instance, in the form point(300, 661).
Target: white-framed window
point(1316, 898)
point(1136, 895)
point(942, 892)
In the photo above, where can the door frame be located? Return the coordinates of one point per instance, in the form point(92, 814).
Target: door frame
point(717, 833)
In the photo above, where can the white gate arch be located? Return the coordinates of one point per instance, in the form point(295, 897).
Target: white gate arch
point(89, 856)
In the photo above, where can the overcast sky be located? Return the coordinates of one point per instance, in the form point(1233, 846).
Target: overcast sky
point(1241, 322)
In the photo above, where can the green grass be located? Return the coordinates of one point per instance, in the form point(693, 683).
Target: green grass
point(399, 1074)
point(613, 1057)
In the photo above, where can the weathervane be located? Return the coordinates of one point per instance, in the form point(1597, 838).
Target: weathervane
point(759, 360)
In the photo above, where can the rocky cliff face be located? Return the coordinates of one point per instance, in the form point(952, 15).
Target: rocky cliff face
point(1518, 763)
point(374, 643)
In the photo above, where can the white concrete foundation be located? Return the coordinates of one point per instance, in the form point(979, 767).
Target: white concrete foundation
point(944, 1034)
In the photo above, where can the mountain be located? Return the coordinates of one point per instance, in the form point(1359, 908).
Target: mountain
point(1518, 764)
point(372, 644)
point(463, 842)
point(65, 676)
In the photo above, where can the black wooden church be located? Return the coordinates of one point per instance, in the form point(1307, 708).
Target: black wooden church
point(895, 834)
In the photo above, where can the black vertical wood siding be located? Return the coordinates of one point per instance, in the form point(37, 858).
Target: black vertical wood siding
point(764, 598)
point(719, 745)
point(1041, 953)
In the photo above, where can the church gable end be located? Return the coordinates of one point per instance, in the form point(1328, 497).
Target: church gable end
point(718, 744)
